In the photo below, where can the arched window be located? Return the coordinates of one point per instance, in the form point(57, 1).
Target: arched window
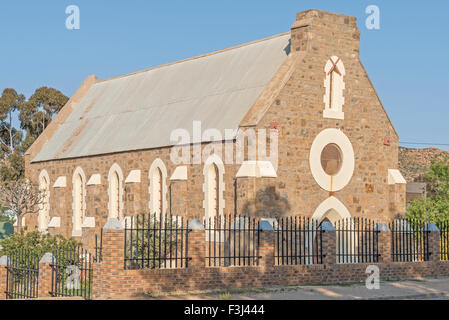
point(213, 187)
point(334, 86)
point(44, 207)
point(158, 187)
point(79, 203)
point(115, 191)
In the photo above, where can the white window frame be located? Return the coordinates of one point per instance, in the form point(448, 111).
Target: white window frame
point(44, 212)
point(214, 159)
point(157, 164)
point(334, 111)
point(115, 168)
point(78, 231)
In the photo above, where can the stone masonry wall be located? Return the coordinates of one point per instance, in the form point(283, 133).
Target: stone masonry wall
point(297, 112)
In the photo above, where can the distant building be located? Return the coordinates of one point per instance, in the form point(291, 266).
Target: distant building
point(416, 190)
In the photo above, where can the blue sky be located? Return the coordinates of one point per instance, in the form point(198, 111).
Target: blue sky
point(406, 59)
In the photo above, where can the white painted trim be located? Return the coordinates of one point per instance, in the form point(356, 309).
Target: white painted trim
point(55, 222)
point(95, 179)
point(180, 174)
point(214, 159)
point(116, 168)
point(89, 222)
point(133, 177)
point(79, 171)
point(332, 114)
point(61, 182)
point(158, 164)
point(395, 177)
point(329, 204)
point(257, 169)
point(44, 217)
point(336, 110)
point(344, 176)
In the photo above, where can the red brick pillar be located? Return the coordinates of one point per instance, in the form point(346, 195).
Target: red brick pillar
point(107, 277)
point(384, 242)
point(266, 245)
point(197, 245)
point(45, 275)
point(3, 264)
point(434, 242)
point(329, 243)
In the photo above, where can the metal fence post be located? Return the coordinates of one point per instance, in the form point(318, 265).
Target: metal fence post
point(45, 275)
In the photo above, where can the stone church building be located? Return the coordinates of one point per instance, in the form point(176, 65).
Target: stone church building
point(108, 151)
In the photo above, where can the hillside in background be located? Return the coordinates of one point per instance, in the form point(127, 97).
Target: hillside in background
point(415, 162)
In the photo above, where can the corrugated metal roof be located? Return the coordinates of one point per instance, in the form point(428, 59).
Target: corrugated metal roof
point(140, 110)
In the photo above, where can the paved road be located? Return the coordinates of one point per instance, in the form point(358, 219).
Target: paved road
point(435, 288)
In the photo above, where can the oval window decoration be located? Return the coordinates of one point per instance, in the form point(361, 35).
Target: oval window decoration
point(332, 160)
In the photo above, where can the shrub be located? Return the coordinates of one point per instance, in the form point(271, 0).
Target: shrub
point(34, 243)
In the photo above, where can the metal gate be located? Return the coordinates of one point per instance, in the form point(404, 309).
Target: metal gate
point(22, 276)
point(72, 273)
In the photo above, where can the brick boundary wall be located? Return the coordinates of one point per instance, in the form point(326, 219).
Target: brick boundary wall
point(111, 280)
point(127, 283)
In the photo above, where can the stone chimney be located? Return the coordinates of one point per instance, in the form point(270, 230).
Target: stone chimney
point(326, 32)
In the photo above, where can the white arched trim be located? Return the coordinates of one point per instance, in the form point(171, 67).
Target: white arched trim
point(214, 159)
point(78, 172)
point(343, 177)
point(44, 210)
point(334, 86)
point(158, 164)
point(332, 209)
point(116, 169)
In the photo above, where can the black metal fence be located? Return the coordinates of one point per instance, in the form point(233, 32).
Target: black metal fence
point(72, 273)
point(357, 241)
point(22, 276)
point(409, 240)
point(156, 242)
point(232, 241)
point(298, 240)
point(444, 240)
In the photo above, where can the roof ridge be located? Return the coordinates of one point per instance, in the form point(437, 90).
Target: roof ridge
point(194, 58)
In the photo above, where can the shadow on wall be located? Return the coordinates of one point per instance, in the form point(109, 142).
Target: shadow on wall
point(268, 204)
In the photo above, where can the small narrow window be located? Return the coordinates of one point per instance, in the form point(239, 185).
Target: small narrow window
point(44, 208)
point(334, 86)
point(158, 187)
point(115, 180)
point(115, 196)
point(78, 189)
point(214, 191)
point(79, 205)
point(213, 188)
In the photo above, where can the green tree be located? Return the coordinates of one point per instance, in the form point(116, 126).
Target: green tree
point(40, 109)
point(434, 208)
point(10, 137)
